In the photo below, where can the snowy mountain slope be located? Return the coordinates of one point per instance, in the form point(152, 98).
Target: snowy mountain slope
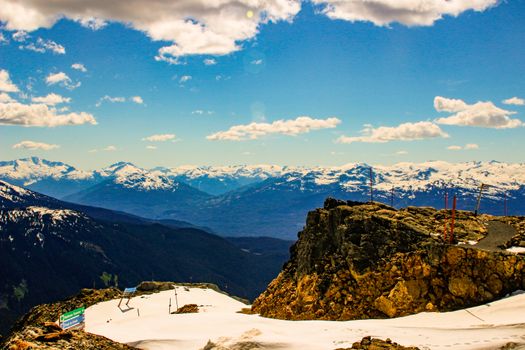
point(484, 327)
point(52, 178)
point(49, 252)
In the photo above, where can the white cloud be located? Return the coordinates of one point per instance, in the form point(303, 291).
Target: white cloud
point(110, 99)
point(210, 61)
point(92, 23)
point(480, 114)
point(42, 46)
point(257, 62)
point(4, 98)
point(63, 79)
point(20, 36)
point(51, 99)
point(150, 147)
point(443, 104)
point(41, 115)
point(291, 127)
point(159, 138)
point(110, 148)
point(185, 78)
point(137, 99)
point(192, 27)
point(6, 85)
point(33, 146)
point(514, 101)
point(3, 39)
point(79, 66)
point(201, 112)
point(402, 132)
point(401, 153)
point(407, 12)
point(220, 77)
point(468, 146)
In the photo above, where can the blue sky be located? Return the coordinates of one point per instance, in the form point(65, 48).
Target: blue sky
point(305, 86)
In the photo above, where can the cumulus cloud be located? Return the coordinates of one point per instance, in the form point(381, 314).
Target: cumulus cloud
point(210, 61)
point(291, 127)
point(159, 138)
point(402, 132)
point(3, 39)
point(480, 114)
point(61, 79)
point(79, 66)
point(6, 85)
point(33, 146)
point(110, 99)
point(51, 99)
point(407, 12)
point(4, 98)
point(43, 46)
point(185, 78)
point(137, 100)
point(514, 101)
point(468, 146)
point(192, 27)
point(41, 115)
point(20, 36)
point(91, 22)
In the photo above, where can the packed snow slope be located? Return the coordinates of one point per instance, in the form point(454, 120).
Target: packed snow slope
point(488, 326)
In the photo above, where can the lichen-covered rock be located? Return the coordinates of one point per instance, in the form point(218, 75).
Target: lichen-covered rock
point(367, 260)
point(369, 343)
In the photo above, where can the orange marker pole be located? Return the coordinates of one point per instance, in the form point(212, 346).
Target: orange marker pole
point(453, 219)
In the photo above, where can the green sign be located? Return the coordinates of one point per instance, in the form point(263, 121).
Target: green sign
point(72, 314)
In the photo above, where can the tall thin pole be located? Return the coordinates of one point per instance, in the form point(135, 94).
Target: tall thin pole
point(445, 229)
point(453, 219)
point(371, 184)
point(505, 204)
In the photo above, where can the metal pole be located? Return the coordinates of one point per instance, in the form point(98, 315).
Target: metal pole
point(505, 212)
point(453, 219)
point(446, 221)
point(479, 198)
point(371, 185)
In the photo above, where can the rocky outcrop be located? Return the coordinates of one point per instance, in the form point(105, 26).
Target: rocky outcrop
point(369, 343)
point(37, 330)
point(356, 260)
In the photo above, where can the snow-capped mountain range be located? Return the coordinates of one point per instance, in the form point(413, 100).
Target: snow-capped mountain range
point(402, 176)
point(267, 199)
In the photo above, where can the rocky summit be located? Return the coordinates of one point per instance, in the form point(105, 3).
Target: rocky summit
point(367, 260)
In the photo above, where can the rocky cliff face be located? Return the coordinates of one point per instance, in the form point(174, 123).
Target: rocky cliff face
point(356, 260)
point(37, 329)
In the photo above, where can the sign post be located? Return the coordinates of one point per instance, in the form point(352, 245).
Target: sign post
point(73, 319)
point(127, 294)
